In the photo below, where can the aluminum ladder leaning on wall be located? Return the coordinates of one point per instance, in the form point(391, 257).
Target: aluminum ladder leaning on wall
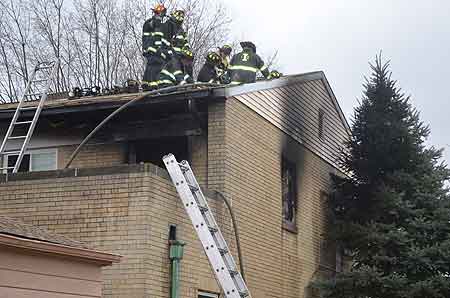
point(214, 244)
point(37, 89)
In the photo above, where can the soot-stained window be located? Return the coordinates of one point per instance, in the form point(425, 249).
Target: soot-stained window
point(289, 192)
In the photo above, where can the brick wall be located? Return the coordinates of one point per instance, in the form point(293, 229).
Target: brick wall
point(278, 262)
point(92, 156)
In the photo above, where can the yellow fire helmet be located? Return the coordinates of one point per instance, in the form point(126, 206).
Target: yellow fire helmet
point(179, 15)
point(213, 58)
point(187, 53)
point(160, 9)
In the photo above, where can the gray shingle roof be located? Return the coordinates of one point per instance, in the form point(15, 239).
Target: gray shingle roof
point(14, 227)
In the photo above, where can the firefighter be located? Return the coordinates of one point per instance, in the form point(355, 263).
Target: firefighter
point(179, 38)
point(275, 74)
point(210, 72)
point(176, 72)
point(156, 46)
point(187, 57)
point(245, 65)
point(225, 53)
point(181, 47)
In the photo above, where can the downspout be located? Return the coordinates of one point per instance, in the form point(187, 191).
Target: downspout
point(176, 249)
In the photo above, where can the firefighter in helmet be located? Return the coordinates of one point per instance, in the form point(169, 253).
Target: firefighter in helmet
point(176, 71)
point(245, 65)
point(179, 37)
point(156, 46)
point(225, 53)
point(275, 74)
point(210, 72)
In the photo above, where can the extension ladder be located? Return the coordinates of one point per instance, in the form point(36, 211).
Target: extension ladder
point(37, 88)
point(214, 244)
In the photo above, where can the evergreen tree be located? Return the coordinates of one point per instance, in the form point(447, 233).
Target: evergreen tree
point(392, 213)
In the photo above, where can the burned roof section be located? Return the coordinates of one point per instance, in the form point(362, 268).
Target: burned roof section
point(181, 93)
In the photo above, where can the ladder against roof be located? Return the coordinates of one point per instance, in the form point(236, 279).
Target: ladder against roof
point(213, 242)
point(26, 117)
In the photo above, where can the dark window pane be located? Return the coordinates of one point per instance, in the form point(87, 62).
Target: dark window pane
point(289, 191)
point(152, 151)
point(24, 166)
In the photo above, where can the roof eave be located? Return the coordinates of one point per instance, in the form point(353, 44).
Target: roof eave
point(101, 258)
point(267, 84)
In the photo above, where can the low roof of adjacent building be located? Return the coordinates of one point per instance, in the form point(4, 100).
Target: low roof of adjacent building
point(17, 234)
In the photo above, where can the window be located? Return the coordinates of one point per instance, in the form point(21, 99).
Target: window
point(289, 193)
point(152, 151)
point(33, 161)
point(207, 295)
point(321, 123)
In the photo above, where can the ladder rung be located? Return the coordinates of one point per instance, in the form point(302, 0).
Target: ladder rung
point(11, 152)
point(223, 251)
point(203, 209)
point(6, 168)
point(233, 273)
point(213, 229)
point(23, 122)
point(17, 137)
point(184, 168)
point(28, 108)
point(193, 187)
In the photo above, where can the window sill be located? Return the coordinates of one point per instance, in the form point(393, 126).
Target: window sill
point(290, 227)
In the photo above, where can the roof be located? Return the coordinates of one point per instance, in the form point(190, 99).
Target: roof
point(20, 229)
point(65, 105)
point(59, 106)
point(16, 233)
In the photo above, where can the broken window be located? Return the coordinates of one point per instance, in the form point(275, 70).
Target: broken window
point(152, 151)
point(33, 161)
point(289, 192)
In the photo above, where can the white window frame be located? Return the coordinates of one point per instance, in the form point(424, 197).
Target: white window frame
point(207, 294)
point(31, 152)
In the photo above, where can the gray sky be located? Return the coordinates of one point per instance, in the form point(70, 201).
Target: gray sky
point(340, 37)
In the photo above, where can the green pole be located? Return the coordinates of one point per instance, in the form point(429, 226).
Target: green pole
point(176, 255)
